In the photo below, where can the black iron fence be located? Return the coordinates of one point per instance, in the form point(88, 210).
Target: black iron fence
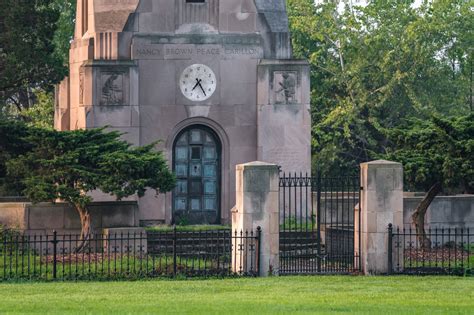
point(451, 251)
point(317, 218)
point(128, 255)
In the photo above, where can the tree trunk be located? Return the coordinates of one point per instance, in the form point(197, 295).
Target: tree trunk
point(85, 237)
point(418, 216)
point(24, 98)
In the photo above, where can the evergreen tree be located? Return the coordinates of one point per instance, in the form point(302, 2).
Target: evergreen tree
point(51, 165)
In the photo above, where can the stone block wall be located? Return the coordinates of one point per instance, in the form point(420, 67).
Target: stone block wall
point(444, 212)
point(43, 218)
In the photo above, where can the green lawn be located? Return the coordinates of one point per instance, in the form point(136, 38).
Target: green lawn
point(284, 295)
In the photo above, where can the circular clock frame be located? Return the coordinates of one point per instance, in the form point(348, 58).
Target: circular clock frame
point(198, 82)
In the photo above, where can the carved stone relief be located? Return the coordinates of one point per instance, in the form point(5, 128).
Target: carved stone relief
point(285, 86)
point(81, 87)
point(112, 88)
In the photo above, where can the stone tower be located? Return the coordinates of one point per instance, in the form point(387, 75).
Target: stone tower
point(214, 80)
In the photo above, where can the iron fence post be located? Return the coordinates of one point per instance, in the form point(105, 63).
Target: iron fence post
point(390, 254)
point(55, 253)
point(318, 217)
point(174, 251)
point(259, 238)
point(359, 228)
point(4, 254)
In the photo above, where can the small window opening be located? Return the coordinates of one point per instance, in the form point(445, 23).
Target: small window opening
point(195, 1)
point(196, 153)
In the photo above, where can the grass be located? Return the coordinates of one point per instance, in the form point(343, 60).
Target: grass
point(292, 224)
point(456, 259)
point(284, 295)
point(458, 265)
point(113, 267)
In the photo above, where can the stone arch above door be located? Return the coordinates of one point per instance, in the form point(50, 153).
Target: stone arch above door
point(198, 157)
point(226, 202)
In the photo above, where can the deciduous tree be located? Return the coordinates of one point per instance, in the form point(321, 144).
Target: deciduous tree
point(374, 66)
point(438, 155)
point(27, 50)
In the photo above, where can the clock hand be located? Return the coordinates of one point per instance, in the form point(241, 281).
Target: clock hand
point(202, 88)
point(198, 83)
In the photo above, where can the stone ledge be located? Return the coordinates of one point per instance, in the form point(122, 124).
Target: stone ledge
point(283, 62)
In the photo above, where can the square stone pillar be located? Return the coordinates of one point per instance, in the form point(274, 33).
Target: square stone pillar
point(381, 204)
point(257, 186)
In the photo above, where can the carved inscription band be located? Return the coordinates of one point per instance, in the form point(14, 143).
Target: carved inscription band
point(184, 52)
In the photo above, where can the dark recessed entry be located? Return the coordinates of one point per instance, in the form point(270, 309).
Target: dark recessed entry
point(196, 163)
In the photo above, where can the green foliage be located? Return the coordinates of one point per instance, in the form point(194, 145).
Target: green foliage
point(52, 165)
point(375, 66)
point(97, 267)
point(65, 28)
point(436, 150)
point(28, 60)
point(34, 55)
point(183, 221)
point(10, 241)
point(42, 114)
point(13, 143)
point(293, 224)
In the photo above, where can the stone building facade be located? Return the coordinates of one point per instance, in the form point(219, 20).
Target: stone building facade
point(214, 80)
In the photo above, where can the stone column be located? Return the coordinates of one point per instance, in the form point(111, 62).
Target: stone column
point(381, 204)
point(257, 186)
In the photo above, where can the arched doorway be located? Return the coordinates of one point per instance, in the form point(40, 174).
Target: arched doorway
point(196, 163)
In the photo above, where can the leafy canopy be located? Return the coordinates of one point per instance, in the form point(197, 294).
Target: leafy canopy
point(13, 143)
point(27, 30)
point(34, 51)
point(438, 150)
point(375, 66)
point(42, 114)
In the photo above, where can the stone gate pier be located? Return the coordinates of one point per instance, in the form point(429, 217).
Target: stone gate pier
point(257, 206)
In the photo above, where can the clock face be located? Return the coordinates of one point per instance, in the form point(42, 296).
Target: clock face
point(198, 82)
